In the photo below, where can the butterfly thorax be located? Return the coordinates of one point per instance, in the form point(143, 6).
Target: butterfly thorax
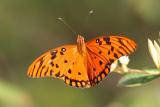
point(81, 46)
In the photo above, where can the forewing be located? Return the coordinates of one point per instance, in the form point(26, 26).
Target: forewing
point(103, 51)
point(63, 62)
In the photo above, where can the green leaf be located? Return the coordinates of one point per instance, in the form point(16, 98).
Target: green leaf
point(132, 80)
point(153, 71)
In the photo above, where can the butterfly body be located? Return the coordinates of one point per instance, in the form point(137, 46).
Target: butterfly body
point(82, 65)
point(81, 46)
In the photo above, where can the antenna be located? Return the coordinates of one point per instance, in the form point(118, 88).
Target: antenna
point(67, 25)
point(86, 20)
point(91, 12)
point(89, 15)
point(70, 28)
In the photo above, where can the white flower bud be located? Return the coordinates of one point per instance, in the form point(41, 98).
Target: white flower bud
point(124, 60)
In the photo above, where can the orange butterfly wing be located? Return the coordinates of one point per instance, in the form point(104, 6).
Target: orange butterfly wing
point(68, 64)
point(103, 51)
point(65, 63)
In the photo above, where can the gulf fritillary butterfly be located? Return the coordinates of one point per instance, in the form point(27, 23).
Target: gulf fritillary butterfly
point(82, 65)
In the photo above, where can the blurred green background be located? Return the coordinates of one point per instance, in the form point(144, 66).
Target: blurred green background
point(29, 28)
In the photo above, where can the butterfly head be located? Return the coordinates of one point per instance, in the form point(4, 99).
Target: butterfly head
point(81, 45)
point(80, 39)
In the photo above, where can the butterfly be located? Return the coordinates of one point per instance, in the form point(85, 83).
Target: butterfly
point(82, 65)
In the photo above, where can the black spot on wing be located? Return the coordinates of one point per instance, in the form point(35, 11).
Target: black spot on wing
point(100, 52)
point(65, 61)
point(100, 42)
point(111, 60)
point(115, 55)
point(94, 69)
point(58, 74)
point(57, 66)
point(69, 71)
point(51, 72)
point(52, 64)
point(53, 54)
point(63, 49)
point(79, 73)
point(100, 62)
point(61, 53)
point(112, 48)
point(107, 40)
point(109, 52)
